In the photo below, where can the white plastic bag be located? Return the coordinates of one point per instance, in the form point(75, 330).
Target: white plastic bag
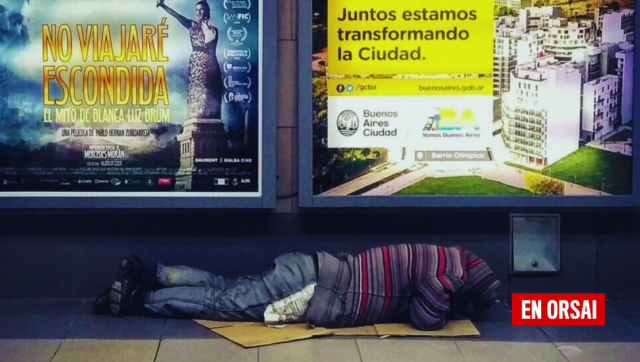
point(290, 309)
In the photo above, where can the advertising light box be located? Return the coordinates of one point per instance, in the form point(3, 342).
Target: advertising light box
point(528, 101)
point(134, 100)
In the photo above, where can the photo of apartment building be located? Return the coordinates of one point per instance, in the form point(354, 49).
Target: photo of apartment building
point(608, 57)
point(598, 16)
point(593, 59)
point(570, 82)
point(512, 46)
point(567, 41)
point(601, 107)
point(504, 57)
point(618, 26)
point(537, 18)
point(541, 112)
point(625, 72)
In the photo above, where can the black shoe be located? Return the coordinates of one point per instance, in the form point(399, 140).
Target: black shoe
point(101, 304)
point(126, 285)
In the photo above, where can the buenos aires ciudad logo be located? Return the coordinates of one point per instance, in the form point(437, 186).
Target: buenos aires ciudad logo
point(348, 123)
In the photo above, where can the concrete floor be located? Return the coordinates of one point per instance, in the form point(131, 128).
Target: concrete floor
point(64, 330)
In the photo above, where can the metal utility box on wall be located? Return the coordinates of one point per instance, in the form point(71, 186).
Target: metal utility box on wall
point(535, 243)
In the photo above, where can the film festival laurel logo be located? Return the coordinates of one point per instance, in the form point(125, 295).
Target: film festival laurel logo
point(230, 67)
point(237, 18)
point(231, 82)
point(348, 123)
point(237, 36)
point(237, 54)
point(237, 4)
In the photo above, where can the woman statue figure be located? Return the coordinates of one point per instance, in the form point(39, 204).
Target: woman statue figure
point(205, 87)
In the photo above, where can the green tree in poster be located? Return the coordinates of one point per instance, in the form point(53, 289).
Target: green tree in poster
point(323, 156)
point(543, 185)
point(504, 11)
point(570, 5)
point(334, 166)
point(319, 38)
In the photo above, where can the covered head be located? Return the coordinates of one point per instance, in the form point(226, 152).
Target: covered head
point(478, 293)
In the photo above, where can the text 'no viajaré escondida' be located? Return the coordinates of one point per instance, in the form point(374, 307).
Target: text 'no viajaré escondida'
point(114, 82)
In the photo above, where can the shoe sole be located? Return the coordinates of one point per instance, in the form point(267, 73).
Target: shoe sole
point(115, 297)
point(119, 296)
point(117, 304)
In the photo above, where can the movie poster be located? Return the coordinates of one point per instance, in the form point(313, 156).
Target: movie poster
point(149, 96)
point(468, 97)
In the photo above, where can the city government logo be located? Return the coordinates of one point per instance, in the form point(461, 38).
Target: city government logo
point(348, 123)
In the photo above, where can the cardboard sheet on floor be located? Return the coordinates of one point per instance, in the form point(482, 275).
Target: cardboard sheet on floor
point(355, 331)
point(451, 329)
point(214, 324)
point(258, 334)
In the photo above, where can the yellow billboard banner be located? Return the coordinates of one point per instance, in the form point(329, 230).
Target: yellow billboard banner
point(410, 87)
point(410, 37)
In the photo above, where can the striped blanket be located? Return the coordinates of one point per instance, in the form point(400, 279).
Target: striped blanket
point(423, 284)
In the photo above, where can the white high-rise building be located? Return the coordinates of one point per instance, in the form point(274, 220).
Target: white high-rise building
point(599, 15)
point(601, 59)
point(504, 61)
point(541, 112)
point(625, 72)
point(512, 47)
point(533, 18)
point(609, 60)
point(505, 25)
point(601, 107)
point(582, 68)
point(567, 41)
point(504, 53)
point(501, 3)
point(530, 46)
point(593, 58)
point(618, 26)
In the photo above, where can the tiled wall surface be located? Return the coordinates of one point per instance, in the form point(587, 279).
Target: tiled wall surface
point(56, 254)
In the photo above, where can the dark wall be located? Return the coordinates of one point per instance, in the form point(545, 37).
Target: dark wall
point(71, 254)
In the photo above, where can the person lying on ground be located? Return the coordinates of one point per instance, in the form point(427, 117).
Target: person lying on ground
point(425, 285)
